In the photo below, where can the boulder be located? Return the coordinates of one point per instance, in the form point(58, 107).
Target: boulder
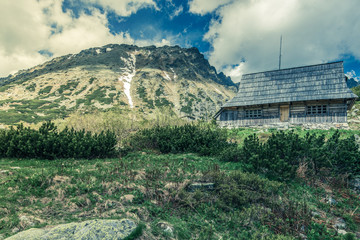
point(89, 230)
point(355, 184)
point(339, 223)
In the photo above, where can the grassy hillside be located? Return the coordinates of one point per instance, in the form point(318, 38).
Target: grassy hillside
point(151, 188)
point(157, 190)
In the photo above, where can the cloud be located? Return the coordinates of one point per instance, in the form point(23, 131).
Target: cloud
point(203, 7)
point(29, 28)
point(177, 12)
point(247, 33)
point(352, 74)
point(123, 7)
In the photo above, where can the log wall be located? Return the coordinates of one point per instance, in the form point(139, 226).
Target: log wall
point(235, 117)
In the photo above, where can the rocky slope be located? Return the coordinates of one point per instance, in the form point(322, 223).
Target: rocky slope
point(139, 78)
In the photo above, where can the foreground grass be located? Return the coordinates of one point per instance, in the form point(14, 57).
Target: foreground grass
point(151, 189)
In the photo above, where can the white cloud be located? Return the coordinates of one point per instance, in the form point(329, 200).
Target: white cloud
point(123, 7)
point(177, 12)
point(352, 74)
point(203, 7)
point(235, 72)
point(27, 26)
point(248, 32)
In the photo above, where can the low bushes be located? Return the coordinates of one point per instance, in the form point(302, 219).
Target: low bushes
point(280, 157)
point(48, 143)
point(203, 139)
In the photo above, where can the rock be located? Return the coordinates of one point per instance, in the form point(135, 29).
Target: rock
point(90, 230)
point(167, 228)
point(331, 201)
point(315, 214)
point(302, 236)
point(355, 184)
point(15, 230)
point(340, 223)
point(127, 198)
point(341, 231)
point(201, 186)
point(353, 121)
point(25, 221)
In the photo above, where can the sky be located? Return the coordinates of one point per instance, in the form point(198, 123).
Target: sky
point(236, 36)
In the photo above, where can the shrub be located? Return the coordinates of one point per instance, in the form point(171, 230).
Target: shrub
point(201, 138)
point(281, 155)
point(48, 143)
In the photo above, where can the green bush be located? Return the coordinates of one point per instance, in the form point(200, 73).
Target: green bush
point(48, 143)
point(280, 156)
point(201, 138)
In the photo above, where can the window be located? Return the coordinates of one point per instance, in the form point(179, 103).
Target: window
point(228, 116)
point(257, 113)
point(316, 110)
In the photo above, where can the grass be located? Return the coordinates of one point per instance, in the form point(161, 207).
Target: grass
point(5, 87)
point(36, 193)
point(45, 90)
point(71, 85)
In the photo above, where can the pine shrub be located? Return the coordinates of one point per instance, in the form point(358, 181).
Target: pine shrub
point(49, 143)
point(281, 155)
point(201, 138)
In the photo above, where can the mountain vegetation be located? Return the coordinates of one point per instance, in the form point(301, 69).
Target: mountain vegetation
point(115, 76)
point(193, 181)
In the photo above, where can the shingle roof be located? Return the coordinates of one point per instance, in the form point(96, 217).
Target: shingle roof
point(315, 82)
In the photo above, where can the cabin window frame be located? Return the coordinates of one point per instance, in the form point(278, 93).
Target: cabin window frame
point(313, 110)
point(253, 113)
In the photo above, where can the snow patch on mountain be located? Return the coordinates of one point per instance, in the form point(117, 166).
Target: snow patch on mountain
point(167, 77)
point(174, 73)
point(129, 72)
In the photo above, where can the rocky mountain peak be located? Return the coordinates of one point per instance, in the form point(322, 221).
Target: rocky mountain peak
point(143, 78)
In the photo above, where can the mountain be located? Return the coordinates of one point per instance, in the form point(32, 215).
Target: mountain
point(351, 82)
point(113, 76)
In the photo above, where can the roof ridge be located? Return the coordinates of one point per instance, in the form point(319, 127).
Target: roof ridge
point(305, 66)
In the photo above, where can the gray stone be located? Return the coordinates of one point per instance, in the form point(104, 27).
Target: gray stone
point(302, 236)
point(200, 186)
point(331, 201)
point(167, 228)
point(315, 214)
point(355, 184)
point(89, 230)
point(340, 223)
point(341, 231)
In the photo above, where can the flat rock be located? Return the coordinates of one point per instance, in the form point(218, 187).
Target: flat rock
point(89, 230)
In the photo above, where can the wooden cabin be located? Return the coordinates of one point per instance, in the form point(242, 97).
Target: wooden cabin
point(295, 96)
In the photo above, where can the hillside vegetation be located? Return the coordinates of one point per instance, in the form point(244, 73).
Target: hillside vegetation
point(196, 182)
point(114, 77)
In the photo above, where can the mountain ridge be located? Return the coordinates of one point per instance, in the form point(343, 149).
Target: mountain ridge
point(143, 78)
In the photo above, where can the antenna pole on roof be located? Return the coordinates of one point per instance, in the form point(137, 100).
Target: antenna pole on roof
point(280, 52)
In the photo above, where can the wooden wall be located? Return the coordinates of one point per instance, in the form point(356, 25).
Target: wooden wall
point(336, 113)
